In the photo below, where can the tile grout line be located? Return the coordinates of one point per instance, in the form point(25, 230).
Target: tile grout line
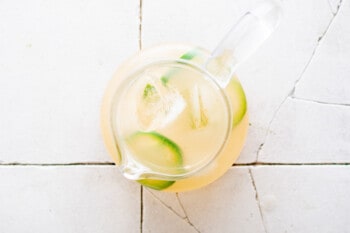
point(187, 219)
point(19, 164)
point(266, 164)
point(257, 199)
point(141, 209)
point(320, 102)
point(164, 204)
point(140, 24)
point(140, 47)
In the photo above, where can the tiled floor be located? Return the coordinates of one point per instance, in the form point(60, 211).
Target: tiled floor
point(56, 58)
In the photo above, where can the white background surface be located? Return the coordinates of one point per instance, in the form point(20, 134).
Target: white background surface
point(56, 58)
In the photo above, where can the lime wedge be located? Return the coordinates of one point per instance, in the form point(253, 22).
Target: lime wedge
point(155, 149)
point(156, 184)
point(159, 152)
point(238, 100)
point(186, 56)
point(150, 93)
point(189, 55)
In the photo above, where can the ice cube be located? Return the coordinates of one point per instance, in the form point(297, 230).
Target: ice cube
point(198, 112)
point(159, 105)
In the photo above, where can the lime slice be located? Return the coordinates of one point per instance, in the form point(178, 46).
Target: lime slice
point(189, 55)
point(238, 100)
point(150, 93)
point(186, 56)
point(159, 152)
point(155, 149)
point(156, 184)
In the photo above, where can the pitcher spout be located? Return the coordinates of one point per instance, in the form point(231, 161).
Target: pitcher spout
point(133, 171)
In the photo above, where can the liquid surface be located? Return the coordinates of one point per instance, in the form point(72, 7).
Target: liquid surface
point(179, 104)
point(185, 131)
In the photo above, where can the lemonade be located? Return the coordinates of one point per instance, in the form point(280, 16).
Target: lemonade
point(168, 124)
point(174, 117)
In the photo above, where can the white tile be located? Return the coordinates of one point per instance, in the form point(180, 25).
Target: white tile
point(255, 136)
point(334, 5)
point(67, 199)
point(169, 199)
point(303, 199)
point(56, 59)
point(327, 77)
point(269, 76)
point(159, 217)
point(227, 205)
point(308, 132)
point(196, 22)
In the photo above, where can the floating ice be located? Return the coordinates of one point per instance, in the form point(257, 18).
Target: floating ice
point(159, 105)
point(198, 112)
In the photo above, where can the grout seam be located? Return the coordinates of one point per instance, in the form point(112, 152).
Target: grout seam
point(165, 204)
point(58, 164)
point(257, 199)
point(320, 102)
point(141, 209)
point(140, 47)
point(140, 24)
point(256, 164)
point(186, 215)
point(234, 165)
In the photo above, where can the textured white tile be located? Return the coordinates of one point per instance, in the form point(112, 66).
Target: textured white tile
point(67, 199)
point(169, 199)
point(56, 59)
point(159, 217)
point(227, 205)
point(327, 77)
point(334, 5)
point(196, 22)
point(255, 135)
point(269, 76)
point(308, 132)
point(303, 199)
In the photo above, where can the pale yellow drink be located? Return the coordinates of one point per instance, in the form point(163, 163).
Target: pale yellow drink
point(203, 135)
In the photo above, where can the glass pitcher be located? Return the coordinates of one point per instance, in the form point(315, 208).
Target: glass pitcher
point(174, 117)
